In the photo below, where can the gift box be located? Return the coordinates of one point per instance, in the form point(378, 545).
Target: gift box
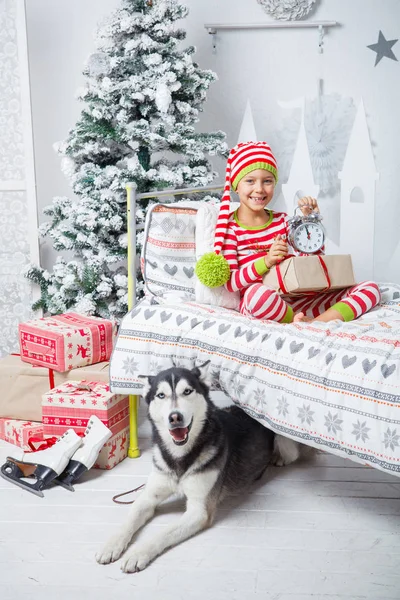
point(71, 404)
point(301, 274)
point(23, 385)
point(19, 432)
point(63, 342)
point(113, 451)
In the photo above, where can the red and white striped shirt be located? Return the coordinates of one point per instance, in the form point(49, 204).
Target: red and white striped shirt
point(243, 247)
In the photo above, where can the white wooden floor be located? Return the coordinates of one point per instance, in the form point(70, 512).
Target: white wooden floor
point(328, 529)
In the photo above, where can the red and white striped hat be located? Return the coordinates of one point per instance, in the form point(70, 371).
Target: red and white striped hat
point(242, 159)
point(212, 269)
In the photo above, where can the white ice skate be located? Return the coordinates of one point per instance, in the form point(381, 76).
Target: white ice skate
point(45, 465)
point(96, 435)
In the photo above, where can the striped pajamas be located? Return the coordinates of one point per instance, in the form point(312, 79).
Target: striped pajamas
point(265, 303)
point(245, 250)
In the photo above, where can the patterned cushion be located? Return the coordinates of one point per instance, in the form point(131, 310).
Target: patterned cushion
point(169, 250)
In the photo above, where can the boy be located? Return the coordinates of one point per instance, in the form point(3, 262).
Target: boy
point(254, 238)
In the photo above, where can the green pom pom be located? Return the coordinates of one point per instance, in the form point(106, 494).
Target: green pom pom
point(212, 270)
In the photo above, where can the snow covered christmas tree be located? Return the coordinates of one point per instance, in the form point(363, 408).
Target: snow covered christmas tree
point(142, 98)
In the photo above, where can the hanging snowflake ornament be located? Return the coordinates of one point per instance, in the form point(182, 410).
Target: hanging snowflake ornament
point(98, 64)
point(287, 10)
point(328, 121)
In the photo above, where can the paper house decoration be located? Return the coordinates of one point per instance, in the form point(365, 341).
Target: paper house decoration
point(301, 180)
point(357, 206)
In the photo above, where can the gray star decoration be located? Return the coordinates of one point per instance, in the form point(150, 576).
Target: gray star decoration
point(383, 48)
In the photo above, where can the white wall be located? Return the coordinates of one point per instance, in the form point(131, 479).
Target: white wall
point(60, 38)
point(264, 65)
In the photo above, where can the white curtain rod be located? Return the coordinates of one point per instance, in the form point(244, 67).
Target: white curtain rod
point(213, 27)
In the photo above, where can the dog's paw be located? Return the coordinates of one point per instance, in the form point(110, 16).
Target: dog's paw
point(277, 461)
point(137, 560)
point(112, 550)
point(286, 451)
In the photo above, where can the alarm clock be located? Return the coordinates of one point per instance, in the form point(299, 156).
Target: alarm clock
point(306, 233)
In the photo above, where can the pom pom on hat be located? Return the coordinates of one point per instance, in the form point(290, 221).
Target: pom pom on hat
point(213, 269)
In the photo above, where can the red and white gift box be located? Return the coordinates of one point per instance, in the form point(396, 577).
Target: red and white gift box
point(19, 432)
point(70, 406)
point(113, 451)
point(63, 342)
point(23, 385)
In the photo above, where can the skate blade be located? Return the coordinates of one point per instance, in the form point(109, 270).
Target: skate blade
point(71, 474)
point(14, 471)
point(23, 485)
point(66, 486)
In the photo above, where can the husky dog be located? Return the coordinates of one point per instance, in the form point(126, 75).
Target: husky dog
point(199, 451)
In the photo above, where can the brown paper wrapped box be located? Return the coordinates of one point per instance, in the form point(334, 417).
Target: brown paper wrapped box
point(23, 384)
point(306, 274)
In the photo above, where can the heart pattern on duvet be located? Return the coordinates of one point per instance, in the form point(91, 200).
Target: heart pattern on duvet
point(347, 362)
point(368, 365)
point(170, 270)
point(294, 347)
point(329, 358)
point(223, 328)
point(313, 352)
point(148, 314)
point(387, 371)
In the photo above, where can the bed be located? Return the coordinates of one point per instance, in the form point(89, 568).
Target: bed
point(334, 386)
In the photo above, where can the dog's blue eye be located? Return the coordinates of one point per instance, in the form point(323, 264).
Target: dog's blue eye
point(187, 392)
point(161, 395)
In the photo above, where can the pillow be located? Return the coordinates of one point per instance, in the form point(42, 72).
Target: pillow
point(168, 253)
point(206, 221)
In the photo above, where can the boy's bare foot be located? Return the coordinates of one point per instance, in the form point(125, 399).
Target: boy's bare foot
point(329, 315)
point(301, 317)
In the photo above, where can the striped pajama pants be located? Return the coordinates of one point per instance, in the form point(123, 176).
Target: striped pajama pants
point(265, 303)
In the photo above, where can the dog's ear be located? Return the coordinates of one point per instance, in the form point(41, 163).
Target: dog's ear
point(146, 380)
point(202, 372)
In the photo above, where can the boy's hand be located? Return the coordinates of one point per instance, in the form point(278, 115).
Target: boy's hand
point(277, 252)
point(308, 205)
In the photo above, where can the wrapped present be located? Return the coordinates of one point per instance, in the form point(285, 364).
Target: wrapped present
point(63, 342)
point(71, 404)
point(113, 451)
point(96, 372)
point(23, 385)
point(20, 432)
point(301, 274)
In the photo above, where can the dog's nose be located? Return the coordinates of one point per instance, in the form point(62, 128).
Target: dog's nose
point(175, 418)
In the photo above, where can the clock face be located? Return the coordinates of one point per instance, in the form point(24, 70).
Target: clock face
point(308, 237)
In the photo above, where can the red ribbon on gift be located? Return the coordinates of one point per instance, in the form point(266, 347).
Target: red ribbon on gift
point(80, 385)
point(50, 373)
point(312, 293)
point(43, 443)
